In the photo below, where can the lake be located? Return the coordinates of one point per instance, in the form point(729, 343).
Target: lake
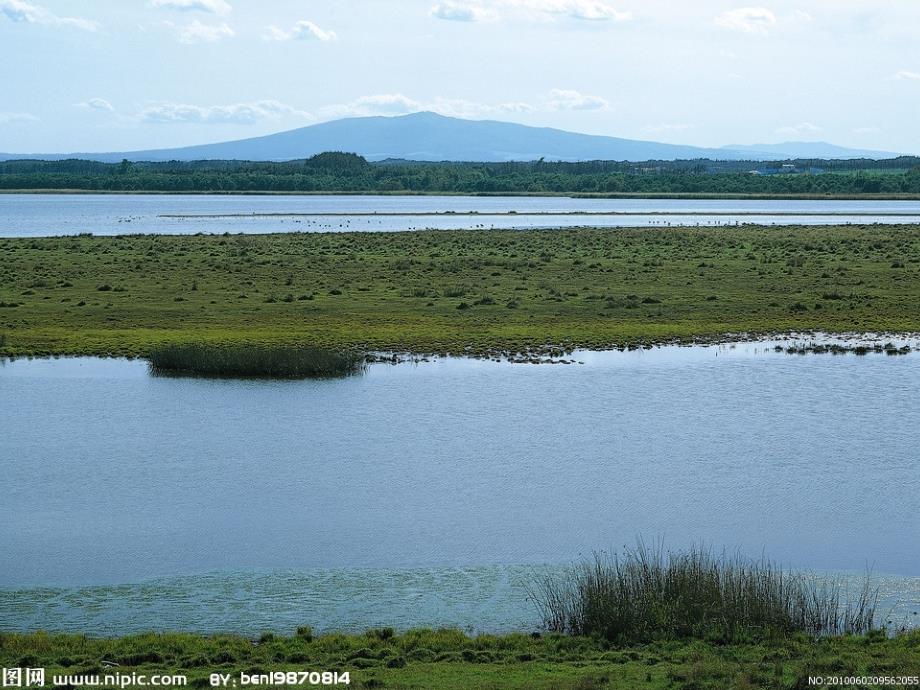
point(34, 215)
point(427, 494)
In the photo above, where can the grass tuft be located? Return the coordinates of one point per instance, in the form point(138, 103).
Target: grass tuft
point(647, 595)
point(253, 361)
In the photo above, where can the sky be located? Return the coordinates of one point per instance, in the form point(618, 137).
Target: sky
point(115, 75)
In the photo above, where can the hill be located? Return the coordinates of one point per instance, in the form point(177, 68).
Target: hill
point(433, 137)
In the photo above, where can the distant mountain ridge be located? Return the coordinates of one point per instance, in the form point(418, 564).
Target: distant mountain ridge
point(805, 149)
point(432, 137)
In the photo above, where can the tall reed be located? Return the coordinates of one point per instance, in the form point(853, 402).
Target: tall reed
point(252, 361)
point(647, 595)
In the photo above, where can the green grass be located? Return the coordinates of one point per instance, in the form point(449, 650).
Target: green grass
point(448, 659)
point(645, 595)
point(463, 292)
point(258, 361)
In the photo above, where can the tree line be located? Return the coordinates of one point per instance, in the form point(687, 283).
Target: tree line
point(346, 172)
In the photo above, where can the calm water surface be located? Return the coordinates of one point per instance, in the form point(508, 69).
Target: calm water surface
point(32, 215)
point(424, 494)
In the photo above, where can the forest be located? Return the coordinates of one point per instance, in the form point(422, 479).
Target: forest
point(350, 173)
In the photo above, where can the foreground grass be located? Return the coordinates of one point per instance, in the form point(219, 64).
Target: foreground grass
point(453, 291)
point(448, 659)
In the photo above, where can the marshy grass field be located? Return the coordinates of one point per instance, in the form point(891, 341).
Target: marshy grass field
point(309, 301)
point(463, 292)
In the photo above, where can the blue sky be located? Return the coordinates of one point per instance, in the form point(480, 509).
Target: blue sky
point(132, 74)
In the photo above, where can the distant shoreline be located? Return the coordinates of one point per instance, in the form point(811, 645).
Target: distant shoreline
point(551, 214)
point(565, 195)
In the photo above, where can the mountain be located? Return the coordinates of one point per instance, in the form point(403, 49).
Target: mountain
point(804, 149)
point(432, 137)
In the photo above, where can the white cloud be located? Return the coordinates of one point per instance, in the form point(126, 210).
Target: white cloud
point(567, 99)
point(16, 118)
point(538, 10)
point(593, 10)
point(197, 32)
point(515, 107)
point(236, 113)
point(303, 30)
point(751, 20)
point(382, 104)
point(399, 104)
point(905, 75)
point(665, 128)
point(21, 11)
point(97, 104)
point(801, 129)
point(458, 107)
point(221, 7)
point(867, 130)
point(462, 12)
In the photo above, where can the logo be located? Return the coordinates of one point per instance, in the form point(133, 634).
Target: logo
point(23, 677)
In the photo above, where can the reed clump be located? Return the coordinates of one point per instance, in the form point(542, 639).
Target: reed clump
point(253, 361)
point(647, 595)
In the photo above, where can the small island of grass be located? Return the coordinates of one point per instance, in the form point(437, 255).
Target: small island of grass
point(463, 292)
point(240, 360)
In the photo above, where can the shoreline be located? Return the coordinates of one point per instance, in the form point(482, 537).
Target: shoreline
point(570, 195)
point(789, 342)
point(482, 599)
point(449, 214)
